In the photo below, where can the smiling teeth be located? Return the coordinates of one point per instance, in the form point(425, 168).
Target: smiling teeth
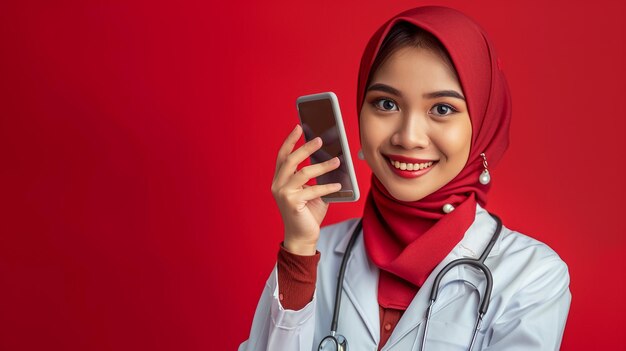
point(410, 166)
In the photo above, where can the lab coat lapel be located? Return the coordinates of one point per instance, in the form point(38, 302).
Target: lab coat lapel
point(416, 312)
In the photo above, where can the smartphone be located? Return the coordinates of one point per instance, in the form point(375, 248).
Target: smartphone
point(320, 117)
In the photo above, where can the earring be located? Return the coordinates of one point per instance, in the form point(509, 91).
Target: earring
point(360, 155)
point(484, 177)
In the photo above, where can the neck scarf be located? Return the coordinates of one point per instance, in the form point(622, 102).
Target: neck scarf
point(407, 240)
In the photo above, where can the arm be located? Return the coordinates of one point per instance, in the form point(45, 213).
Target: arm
point(536, 315)
point(302, 210)
point(285, 319)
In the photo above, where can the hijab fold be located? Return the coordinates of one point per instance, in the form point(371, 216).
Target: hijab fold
point(407, 240)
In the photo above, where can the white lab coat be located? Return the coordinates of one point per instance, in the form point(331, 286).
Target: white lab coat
point(529, 302)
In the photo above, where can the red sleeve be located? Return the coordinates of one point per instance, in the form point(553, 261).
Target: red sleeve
point(296, 278)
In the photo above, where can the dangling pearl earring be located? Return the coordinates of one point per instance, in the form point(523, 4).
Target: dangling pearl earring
point(360, 155)
point(484, 177)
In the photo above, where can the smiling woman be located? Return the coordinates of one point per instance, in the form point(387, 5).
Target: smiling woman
point(434, 106)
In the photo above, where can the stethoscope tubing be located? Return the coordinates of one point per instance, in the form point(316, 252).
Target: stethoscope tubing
point(478, 263)
point(342, 271)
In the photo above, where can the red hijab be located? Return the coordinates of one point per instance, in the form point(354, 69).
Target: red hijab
point(406, 240)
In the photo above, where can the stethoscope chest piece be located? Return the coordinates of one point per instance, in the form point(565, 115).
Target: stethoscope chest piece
point(333, 343)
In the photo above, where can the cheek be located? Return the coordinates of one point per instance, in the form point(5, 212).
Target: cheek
point(371, 133)
point(454, 141)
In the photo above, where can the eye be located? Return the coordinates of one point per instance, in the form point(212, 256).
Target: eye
point(386, 104)
point(442, 110)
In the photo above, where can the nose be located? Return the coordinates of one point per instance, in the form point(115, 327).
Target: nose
point(412, 132)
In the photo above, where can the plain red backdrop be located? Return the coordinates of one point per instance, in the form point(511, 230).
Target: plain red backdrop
point(138, 141)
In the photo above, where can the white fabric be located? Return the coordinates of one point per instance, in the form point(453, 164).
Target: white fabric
point(529, 303)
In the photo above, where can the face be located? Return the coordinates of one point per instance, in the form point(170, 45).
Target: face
point(415, 126)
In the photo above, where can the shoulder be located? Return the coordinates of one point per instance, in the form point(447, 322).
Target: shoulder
point(532, 263)
point(531, 297)
point(518, 261)
point(515, 251)
point(514, 244)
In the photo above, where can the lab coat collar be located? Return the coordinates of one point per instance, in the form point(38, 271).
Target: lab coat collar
point(478, 236)
point(358, 282)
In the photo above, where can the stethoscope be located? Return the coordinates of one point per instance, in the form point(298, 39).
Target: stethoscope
point(338, 342)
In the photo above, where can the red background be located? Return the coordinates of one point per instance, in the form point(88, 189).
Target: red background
point(138, 141)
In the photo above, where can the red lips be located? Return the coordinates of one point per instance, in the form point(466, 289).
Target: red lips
point(407, 173)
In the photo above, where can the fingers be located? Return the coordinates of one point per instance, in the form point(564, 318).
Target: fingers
point(307, 193)
point(290, 163)
point(287, 146)
point(297, 191)
point(295, 158)
point(289, 185)
point(309, 172)
point(315, 191)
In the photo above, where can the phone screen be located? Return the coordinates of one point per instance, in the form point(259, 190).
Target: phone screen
point(318, 119)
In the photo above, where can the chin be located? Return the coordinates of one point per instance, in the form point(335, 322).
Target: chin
point(405, 195)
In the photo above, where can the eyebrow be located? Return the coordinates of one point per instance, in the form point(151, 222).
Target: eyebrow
point(436, 94)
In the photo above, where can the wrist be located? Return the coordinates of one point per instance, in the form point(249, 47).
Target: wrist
point(300, 248)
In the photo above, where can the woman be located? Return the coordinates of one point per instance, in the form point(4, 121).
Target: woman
point(434, 117)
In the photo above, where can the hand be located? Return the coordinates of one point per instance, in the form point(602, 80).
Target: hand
point(301, 205)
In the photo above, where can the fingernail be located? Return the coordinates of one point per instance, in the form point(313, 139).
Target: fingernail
point(296, 127)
